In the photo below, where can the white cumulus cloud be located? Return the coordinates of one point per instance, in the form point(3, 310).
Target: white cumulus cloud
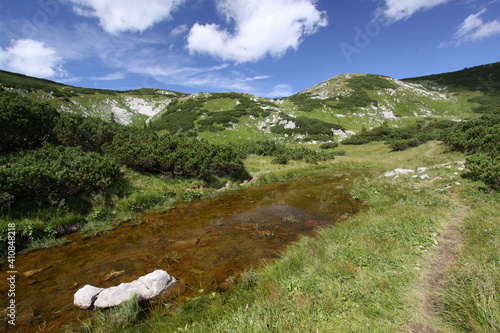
point(117, 16)
point(32, 58)
point(396, 10)
point(261, 28)
point(474, 28)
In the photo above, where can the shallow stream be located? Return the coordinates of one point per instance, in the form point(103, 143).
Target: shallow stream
point(204, 244)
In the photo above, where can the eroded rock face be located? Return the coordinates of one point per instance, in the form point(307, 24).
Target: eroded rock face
point(146, 287)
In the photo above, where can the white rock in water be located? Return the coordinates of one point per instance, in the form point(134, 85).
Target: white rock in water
point(146, 287)
point(157, 281)
point(123, 292)
point(86, 296)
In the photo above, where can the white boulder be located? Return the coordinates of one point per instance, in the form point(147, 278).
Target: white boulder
point(85, 297)
point(146, 287)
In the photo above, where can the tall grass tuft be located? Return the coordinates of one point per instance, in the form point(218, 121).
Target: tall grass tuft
point(471, 300)
point(118, 319)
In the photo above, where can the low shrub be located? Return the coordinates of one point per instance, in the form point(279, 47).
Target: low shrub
point(176, 156)
point(329, 145)
point(52, 174)
point(282, 153)
point(480, 139)
point(25, 124)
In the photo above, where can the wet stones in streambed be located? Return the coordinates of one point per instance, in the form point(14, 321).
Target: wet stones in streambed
point(145, 288)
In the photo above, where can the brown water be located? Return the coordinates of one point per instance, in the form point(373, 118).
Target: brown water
point(202, 244)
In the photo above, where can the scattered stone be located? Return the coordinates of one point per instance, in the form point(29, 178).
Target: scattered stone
point(437, 178)
point(113, 274)
point(35, 271)
point(422, 170)
point(426, 176)
point(443, 165)
point(146, 287)
point(398, 172)
point(32, 272)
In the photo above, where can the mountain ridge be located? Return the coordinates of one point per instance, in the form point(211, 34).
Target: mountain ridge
point(328, 111)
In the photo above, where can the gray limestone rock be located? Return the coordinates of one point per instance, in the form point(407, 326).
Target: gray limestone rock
point(85, 297)
point(146, 287)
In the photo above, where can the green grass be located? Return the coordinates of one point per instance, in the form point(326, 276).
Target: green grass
point(361, 275)
point(220, 104)
point(45, 243)
point(471, 299)
point(119, 318)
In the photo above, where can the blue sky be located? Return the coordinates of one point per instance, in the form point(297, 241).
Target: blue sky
point(270, 48)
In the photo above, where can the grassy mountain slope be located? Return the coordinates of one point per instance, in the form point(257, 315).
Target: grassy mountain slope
point(127, 107)
point(329, 111)
point(479, 78)
point(482, 80)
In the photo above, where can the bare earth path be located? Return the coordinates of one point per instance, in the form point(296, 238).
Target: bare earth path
point(433, 274)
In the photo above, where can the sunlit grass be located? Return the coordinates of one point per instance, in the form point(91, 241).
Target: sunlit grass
point(471, 300)
point(357, 275)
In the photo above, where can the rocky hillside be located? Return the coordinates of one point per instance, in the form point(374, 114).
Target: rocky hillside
point(331, 110)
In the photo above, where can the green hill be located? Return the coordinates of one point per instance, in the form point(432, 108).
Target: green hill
point(329, 111)
point(483, 79)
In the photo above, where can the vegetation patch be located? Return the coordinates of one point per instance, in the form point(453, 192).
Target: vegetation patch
point(25, 123)
point(306, 126)
point(480, 140)
point(307, 103)
point(355, 276)
point(180, 116)
point(282, 153)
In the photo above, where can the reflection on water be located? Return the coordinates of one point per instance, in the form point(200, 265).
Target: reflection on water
point(202, 244)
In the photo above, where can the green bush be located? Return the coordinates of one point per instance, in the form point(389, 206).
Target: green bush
point(404, 137)
point(478, 135)
point(306, 103)
point(176, 156)
point(180, 116)
point(484, 167)
point(480, 139)
point(25, 124)
point(51, 174)
point(329, 145)
point(358, 99)
point(304, 125)
point(89, 133)
point(224, 118)
point(281, 152)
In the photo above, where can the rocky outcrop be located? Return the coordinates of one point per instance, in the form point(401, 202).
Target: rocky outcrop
point(146, 287)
